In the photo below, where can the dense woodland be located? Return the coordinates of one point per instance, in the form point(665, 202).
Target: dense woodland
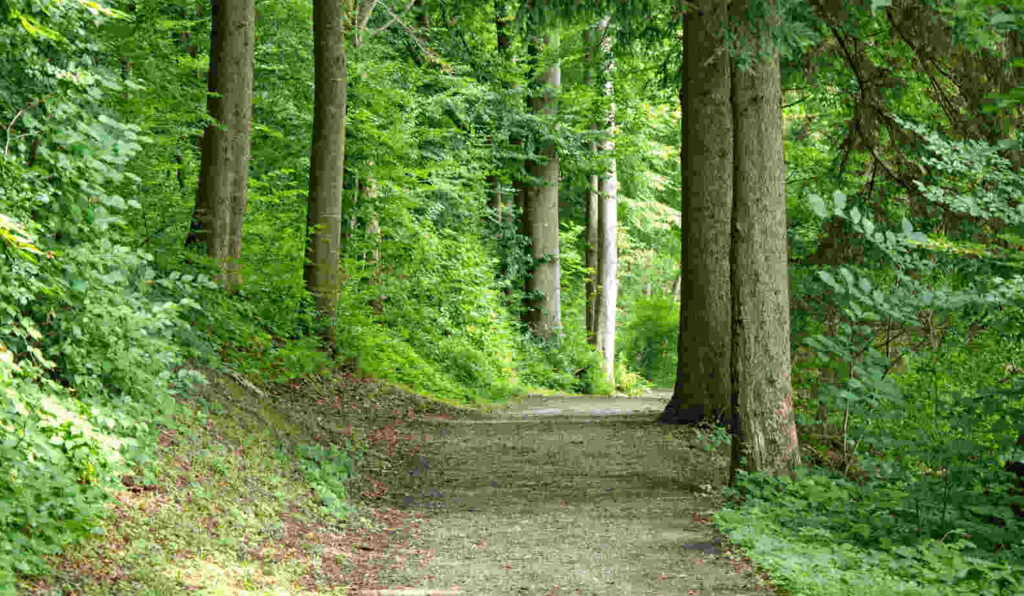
point(804, 216)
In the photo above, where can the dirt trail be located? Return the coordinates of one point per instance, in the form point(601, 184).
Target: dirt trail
point(565, 495)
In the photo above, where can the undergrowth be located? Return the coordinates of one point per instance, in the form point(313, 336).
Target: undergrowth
point(215, 509)
point(824, 535)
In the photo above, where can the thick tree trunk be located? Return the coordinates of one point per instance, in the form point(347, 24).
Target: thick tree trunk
point(592, 208)
point(766, 435)
point(702, 389)
point(608, 219)
point(224, 172)
point(327, 157)
point(541, 218)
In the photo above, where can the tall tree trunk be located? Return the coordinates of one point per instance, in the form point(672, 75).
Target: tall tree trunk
point(327, 157)
point(702, 389)
point(608, 219)
point(224, 172)
point(422, 16)
point(592, 250)
point(501, 25)
point(593, 206)
point(541, 216)
point(766, 435)
point(504, 43)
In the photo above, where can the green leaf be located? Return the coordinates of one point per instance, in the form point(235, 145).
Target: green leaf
point(818, 205)
point(876, 4)
point(839, 201)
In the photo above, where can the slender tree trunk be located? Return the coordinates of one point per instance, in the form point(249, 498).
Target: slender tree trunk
point(504, 42)
point(702, 389)
point(327, 157)
point(495, 198)
point(541, 216)
point(593, 206)
point(224, 171)
point(422, 16)
point(766, 435)
point(608, 259)
point(593, 243)
point(501, 25)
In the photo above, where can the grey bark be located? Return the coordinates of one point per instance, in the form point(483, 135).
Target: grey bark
point(541, 217)
point(702, 390)
point(766, 437)
point(224, 171)
point(327, 156)
point(608, 258)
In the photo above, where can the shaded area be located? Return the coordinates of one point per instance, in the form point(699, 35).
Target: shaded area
point(564, 495)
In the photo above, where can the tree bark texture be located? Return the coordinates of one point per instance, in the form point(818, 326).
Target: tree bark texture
point(327, 157)
point(224, 171)
point(608, 219)
point(766, 435)
point(541, 218)
point(703, 389)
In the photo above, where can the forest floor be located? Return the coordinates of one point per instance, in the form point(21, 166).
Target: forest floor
point(567, 495)
point(548, 496)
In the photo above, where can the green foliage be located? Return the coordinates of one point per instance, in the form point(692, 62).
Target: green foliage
point(90, 330)
point(326, 470)
point(908, 378)
point(649, 339)
point(823, 534)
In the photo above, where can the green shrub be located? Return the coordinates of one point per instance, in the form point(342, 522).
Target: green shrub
point(649, 339)
point(327, 469)
point(823, 535)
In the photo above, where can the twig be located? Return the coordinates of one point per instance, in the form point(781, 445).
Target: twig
point(7, 144)
point(412, 33)
point(393, 18)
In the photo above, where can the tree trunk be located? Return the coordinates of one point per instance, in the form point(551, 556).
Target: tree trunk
point(608, 258)
point(702, 389)
point(593, 206)
point(495, 198)
point(766, 434)
point(327, 157)
point(362, 20)
point(501, 24)
point(422, 16)
point(541, 216)
point(593, 243)
point(224, 172)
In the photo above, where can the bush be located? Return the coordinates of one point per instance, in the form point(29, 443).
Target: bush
point(649, 339)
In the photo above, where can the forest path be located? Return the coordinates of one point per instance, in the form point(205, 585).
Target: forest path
point(565, 495)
